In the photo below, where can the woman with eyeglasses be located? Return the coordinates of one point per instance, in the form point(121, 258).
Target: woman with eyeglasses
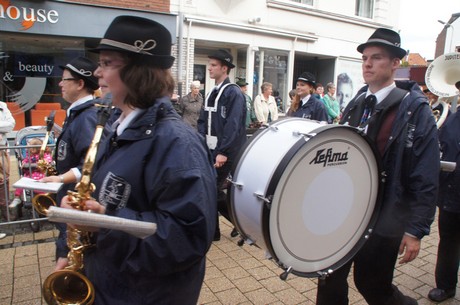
point(154, 168)
point(78, 84)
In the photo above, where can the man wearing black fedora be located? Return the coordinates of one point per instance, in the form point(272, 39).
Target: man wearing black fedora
point(223, 121)
point(397, 118)
point(78, 84)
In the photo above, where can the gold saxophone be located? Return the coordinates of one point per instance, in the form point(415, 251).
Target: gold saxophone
point(70, 286)
point(42, 202)
point(46, 168)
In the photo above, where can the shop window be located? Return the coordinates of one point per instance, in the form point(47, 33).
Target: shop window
point(271, 66)
point(30, 72)
point(364, 8)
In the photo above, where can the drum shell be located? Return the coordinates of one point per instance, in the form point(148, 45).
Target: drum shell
point(262, 174)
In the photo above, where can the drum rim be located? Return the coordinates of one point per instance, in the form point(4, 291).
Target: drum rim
point(274, 183)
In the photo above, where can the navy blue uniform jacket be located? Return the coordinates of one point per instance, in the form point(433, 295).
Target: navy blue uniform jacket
point(449, 182)
point(313, 109)
point(411, 164)
point(228, 122)
point(158, 170)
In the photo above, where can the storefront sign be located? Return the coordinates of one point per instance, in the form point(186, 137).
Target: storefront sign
point(26, 15)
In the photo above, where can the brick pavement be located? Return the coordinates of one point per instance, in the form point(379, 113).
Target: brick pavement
point(234, 275)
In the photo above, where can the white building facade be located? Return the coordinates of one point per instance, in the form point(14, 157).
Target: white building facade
point(277, 40)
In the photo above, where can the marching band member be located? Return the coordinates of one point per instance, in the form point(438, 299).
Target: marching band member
point(153, 167)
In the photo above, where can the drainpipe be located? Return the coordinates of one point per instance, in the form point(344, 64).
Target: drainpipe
point(179, 53)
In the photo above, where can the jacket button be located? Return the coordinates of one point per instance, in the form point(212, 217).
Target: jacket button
point(148, 131)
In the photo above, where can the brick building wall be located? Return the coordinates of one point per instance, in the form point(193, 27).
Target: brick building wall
point(146, 5)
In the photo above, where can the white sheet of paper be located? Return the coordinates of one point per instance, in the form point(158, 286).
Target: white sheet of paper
point(31, 184)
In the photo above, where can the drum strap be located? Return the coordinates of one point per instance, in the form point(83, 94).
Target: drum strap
point(382, 109)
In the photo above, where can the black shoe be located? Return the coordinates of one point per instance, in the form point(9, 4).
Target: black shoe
point(439, 295)
point(234, 233)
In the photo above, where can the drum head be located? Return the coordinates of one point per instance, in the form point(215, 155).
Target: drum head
point(325, 197)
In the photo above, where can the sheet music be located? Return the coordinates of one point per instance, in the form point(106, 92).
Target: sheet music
point(31, 184)
point(140, 229)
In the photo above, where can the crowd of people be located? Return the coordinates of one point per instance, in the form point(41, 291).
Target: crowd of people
point(170, 167)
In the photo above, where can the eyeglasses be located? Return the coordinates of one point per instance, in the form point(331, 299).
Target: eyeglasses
point(104, 64)
point(69, 78)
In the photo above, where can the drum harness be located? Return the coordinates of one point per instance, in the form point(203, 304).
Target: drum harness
point(210, 139)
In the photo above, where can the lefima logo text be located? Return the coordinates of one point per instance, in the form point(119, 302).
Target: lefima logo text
point(26, 15)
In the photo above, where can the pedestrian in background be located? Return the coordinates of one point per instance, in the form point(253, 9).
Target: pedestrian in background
point(331, 104)
point(191, 104)
point(7, 123)
point(265, 105)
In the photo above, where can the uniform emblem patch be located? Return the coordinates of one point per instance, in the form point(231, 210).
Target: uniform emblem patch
point(114, 191)
point(62, 150)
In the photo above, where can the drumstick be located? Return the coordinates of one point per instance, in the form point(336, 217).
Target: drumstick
point(140, 229)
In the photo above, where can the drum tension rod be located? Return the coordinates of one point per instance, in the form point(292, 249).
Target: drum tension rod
point(236, 184)
point(306, 135)
point(268, 201)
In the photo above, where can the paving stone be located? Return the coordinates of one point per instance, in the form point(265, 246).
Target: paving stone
point(290, 296)
point(261, 296)
point(231, 296)
point(249, 263)
point(219, 284)
point(247, 284)
point(236, 273)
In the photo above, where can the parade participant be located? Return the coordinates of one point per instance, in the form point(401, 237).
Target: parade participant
point(250, 115)
point(78, 85)
point(448, 259)
point(228, 119)
point(398, 119)
point(153, 167)
point(304, 104)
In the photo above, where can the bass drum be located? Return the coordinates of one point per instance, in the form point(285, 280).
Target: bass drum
point(307, 193)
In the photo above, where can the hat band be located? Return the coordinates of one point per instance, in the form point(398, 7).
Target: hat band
point(138, 47)
point(396, 44)
point(305, 80)
point(81, 71)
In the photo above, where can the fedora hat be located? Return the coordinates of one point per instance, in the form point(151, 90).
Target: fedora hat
point(308, 78)
point(224, 56)
point(241, 82)
point(85, 68)
point(385, 37)
point(139, 36)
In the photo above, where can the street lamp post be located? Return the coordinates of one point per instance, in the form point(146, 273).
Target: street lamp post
point(448, 25)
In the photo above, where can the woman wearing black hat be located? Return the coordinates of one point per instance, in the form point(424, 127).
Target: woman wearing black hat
point(153, 167)
point(78, 84)
point(305, 104)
